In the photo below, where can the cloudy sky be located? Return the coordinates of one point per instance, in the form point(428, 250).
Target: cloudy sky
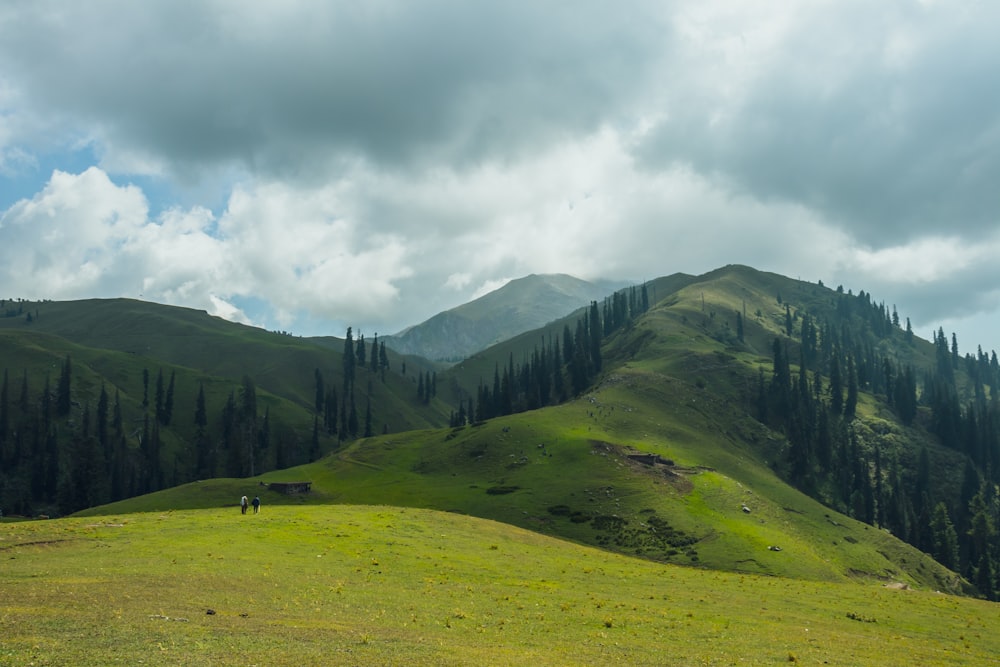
point(306, 166)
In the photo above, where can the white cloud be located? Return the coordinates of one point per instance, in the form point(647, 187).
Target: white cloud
point(457, 281)
point(372, 164)
point(925, 260)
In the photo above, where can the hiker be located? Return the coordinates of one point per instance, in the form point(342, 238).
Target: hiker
point(256, 504)
point(243, 505)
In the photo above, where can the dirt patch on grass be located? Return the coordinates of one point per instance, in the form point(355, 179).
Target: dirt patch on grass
point(644, 463)
point(34, 543)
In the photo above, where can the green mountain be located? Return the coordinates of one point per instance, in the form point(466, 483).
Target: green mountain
point(737, 420)
point(520, 305)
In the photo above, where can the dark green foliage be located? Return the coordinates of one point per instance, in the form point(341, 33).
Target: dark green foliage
point(63, 399)
point(320, 392)
point(368, 419)
point(349, 359)
point(944, 538)
point(541, 379)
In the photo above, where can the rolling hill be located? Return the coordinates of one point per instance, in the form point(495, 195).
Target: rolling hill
point(157, 396)
point(665, 454)
point(682, 447)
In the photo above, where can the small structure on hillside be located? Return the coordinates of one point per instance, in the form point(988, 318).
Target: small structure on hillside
point(290, 488)
point(650, 459)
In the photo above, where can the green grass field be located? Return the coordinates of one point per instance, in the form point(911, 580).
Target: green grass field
point(380, 585)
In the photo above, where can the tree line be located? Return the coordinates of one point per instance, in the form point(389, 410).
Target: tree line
point(837, 459)
point(559, 368)
point(59, 456)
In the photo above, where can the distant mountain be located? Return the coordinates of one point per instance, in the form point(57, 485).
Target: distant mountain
point(521, 305)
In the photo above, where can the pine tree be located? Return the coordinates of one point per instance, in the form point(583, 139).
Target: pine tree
point(361, 351)
point(944, 538)
point(314, 450)
point(320, 392)
point(63, 400)
point(594, 330)
point(383, 357)
point(6, 449)
point(368, 419)
point(159, 396)
point(851, 404)
point(352, 419)
point(349, 358)
point(248, 436)
point(330, 411)
point(168, 401)
point(205, 455)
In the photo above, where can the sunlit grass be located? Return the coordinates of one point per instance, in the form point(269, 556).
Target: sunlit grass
point(380, 585)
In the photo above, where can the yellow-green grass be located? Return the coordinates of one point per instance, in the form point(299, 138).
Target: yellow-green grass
point(566, 475)
point(382, 585)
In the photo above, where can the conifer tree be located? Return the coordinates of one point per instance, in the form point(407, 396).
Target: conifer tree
point(368, 418)
point(348, 361)
point(6, 456)
point(851, 404)
point(352, 419)
point(362, 351)
point(168, 401)
point(248, 427)
point(944, 538)
point(594, 330)
point(314, 450)
point(159, 396)
point(63, 400)
point(205, 455)
point(320, 392)
point(383, 358)
point(330, 411)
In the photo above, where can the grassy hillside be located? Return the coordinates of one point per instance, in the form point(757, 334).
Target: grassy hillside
point(565, 472)
point(348, 585)
point(461, 380)
point(677, 386)
point(131, 350)
point(181, 337)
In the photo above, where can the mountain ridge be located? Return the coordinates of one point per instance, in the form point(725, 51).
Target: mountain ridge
point(681, 413)
point(520, 305)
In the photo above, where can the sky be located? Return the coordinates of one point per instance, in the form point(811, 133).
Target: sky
point(306, 166)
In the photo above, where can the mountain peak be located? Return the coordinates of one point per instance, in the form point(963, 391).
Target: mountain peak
point(520, 305)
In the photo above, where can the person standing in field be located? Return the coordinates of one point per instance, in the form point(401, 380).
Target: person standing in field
point(243, 505)
point(256, 504)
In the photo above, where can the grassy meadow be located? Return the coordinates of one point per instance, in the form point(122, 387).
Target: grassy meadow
point(536, 538)
point(301, 585)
